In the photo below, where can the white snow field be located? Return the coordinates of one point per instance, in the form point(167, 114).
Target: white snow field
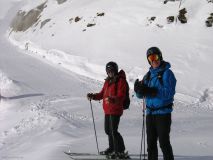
point(47, 68)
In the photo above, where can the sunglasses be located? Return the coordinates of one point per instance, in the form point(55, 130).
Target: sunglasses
point(153, 57)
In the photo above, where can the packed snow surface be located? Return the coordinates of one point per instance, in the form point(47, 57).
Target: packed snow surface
point(47, 70)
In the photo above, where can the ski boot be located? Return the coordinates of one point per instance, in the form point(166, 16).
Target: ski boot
point(106, 152)
point(118, 155)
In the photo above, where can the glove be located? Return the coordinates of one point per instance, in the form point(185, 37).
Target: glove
point(149, 91)
point(90, 96)
point(143, 90)
point(137, 85)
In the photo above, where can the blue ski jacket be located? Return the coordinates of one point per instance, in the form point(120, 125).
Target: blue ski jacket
point(163, 101)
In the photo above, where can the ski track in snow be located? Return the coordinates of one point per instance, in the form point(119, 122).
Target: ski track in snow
point(42, 114)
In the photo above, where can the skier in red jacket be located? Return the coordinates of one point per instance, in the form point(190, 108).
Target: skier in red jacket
point(113, 94)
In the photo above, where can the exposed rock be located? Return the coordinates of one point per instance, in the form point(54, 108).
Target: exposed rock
point(181, 17)
point(159, 25)
point(167, 1)
point(77, 19)
point(42, 6)
point(170, 19)
point(152, 18)
point(91, 24)
point(23, 20)
point(101, 14)
point(70, 20)
point(209, 21)
point(61, 1)
point(210, 18)
point(44, 22)
point(182, 11)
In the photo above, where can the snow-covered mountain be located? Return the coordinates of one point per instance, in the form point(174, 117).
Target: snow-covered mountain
point(59, 54)
point(123, 33)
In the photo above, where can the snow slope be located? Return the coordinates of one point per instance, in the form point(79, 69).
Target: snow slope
point(44, 78)
point(124, 34)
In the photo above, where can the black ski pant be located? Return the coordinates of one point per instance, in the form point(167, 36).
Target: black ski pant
point(158, 127)
point(116, 142)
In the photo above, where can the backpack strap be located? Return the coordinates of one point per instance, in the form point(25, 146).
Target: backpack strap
point(160, 77)
point(160, 74)
point(148, 75)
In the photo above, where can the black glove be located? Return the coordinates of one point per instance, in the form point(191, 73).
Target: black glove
point(137, 85)
point(143, 90)
point(149, 91)
point(90, 96)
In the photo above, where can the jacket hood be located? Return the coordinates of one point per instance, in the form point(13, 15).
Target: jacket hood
point(122, 74)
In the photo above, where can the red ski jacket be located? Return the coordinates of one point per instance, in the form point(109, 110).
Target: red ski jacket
point(113, 94)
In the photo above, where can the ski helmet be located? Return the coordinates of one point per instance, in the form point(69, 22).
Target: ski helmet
point(154, 50)
point(112, 66)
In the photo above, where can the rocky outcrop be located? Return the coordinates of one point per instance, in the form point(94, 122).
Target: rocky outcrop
point(44, 22)
point(61, 1)
point(182, 17)
point(170, 19)
point(24, 20)
point(167, 1)
point(209, 20)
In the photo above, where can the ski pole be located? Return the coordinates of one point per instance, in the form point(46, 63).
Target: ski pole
point(143, 143)
point(94, 127)
point(0, 95)
point(144, 107)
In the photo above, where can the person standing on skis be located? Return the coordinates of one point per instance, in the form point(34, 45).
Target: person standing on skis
point(113, 94)
point(158, 89)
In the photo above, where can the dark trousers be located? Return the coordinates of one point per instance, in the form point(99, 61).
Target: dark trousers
point(158, 127)
point(116, 142)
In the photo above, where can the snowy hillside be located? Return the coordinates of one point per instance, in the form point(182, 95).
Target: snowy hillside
point(53, 52)
point(123, 33)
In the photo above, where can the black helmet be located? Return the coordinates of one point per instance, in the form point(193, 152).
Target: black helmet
point(154, 50)
point(112, 66)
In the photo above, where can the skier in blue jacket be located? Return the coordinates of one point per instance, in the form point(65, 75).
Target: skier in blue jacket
point(158, 89)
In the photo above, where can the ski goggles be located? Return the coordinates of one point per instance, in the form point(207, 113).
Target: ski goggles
point(153, 57)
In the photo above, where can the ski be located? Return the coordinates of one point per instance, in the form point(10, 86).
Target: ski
point(93, 156)
point(85, 156)
point(81, 154)
point(100, 158)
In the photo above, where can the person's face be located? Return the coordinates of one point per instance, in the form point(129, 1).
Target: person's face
point(154, 60)
point(110, 73)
